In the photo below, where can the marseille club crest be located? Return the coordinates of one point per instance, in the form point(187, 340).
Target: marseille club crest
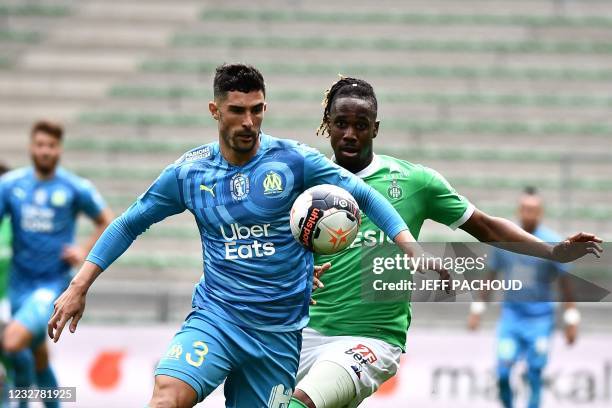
point(273, 183)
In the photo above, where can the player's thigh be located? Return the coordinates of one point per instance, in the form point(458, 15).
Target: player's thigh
point(509, 345)
point(312, 342)
point(266, 377)
point(198, 355)
point(369, 362)
point(33, 315)
point(538, 341)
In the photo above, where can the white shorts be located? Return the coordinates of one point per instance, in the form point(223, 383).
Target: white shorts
point(370, 362)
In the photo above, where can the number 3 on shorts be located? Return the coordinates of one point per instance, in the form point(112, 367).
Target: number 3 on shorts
point(200, 349)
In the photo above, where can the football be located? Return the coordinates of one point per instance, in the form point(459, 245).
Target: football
point(325, 219)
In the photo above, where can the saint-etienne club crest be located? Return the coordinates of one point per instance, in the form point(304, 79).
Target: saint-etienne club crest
point(239, 186)
point(394, 191)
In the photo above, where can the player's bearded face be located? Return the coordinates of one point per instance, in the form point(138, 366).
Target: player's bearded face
point(45, 151)
point(240, 116)
point(352, 126)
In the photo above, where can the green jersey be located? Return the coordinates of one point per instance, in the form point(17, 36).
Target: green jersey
point(417, 193)
point(5, 255)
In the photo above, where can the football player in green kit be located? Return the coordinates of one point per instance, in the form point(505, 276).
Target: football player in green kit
point(350, 347)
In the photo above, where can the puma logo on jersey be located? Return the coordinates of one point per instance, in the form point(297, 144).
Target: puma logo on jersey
point(208, 189)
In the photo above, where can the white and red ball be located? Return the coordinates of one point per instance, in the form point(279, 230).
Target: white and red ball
point(325, 219)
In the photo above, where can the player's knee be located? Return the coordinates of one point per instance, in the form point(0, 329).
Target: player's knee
point(171, 393)
point(15, 338)
point(327, 385)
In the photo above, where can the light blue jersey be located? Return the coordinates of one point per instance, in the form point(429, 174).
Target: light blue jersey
point(256, 274)
point(537, 275)
point(43, 220)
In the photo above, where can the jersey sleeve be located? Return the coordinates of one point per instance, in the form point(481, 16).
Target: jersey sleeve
point(89, 199)
point(320, 170)
point(445, 205)
point(161, 200)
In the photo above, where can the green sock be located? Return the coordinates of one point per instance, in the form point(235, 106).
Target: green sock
point(295, 403)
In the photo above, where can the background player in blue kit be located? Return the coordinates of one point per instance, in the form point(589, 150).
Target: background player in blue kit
point(252, 302)
point(527, 320)
point(43, 202)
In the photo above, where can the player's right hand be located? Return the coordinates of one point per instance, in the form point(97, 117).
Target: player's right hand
point(319, 270)
point(577, 246)
point(571, 332)
point(70, 305)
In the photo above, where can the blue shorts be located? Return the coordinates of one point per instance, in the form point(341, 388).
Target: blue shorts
point(34, 309)
point(258, 367)
point(524, 336)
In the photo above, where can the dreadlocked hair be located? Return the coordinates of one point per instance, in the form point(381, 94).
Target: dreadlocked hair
point(347, 87)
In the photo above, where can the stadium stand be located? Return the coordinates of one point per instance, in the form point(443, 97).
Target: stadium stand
point(494, 100)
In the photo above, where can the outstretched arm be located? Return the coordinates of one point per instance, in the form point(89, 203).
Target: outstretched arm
point(501, 232)
point(161, 200)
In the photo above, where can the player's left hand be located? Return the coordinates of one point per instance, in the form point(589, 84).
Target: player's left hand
point(577, 246)
point(74, 255)
point(319, 270)
point(69, 306)
point(571, 332)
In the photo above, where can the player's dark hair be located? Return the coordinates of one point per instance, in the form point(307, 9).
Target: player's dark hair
point(4, 168)
point(47, 127)
point(237, 77)
point(347, 87)
point(530, 190)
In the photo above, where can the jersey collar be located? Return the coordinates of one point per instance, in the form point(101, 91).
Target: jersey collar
point(369, 169)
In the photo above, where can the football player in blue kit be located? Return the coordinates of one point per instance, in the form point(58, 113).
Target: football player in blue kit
point(528, 316)
point(43, 202)
point(252, 301)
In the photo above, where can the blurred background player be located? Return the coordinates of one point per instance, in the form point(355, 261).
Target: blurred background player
point(5, 306)
point(43, 202)
point(252, 303)
point(350, 348)
point(526, 324)
point(5, 258)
